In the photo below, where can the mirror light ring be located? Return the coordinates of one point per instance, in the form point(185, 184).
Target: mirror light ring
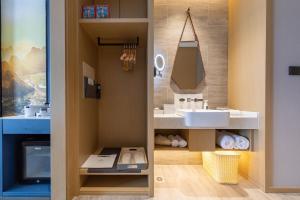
point(163, 62)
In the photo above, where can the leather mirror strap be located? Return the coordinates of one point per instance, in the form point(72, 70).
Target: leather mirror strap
point(188, 17)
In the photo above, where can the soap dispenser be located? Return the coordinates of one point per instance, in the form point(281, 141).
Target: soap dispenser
point(205, 105)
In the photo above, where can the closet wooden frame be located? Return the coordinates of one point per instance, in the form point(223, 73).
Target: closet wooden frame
point(74, 24)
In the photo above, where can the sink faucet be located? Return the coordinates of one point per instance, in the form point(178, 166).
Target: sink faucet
point(197, 100)
point(182, 99)
point(194, 100)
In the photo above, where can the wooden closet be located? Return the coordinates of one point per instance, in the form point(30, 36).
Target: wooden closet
point(123, 116)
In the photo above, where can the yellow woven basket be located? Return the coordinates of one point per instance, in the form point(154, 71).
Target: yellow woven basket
point(222, 166)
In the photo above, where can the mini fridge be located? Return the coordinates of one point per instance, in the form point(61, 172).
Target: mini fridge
point(36, 161)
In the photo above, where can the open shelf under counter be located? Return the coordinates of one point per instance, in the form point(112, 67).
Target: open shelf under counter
point(249, 134)
point(116, 28)
point(115, 185)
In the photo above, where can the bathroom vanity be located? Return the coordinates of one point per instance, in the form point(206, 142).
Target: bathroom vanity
point(201, 135)
point(233, 119)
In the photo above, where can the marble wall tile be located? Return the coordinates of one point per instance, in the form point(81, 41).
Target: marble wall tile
point(214, 77)
point(216, 11)
point(160, 2)
point(217, 55)
point(161, 15)
point(210, 19)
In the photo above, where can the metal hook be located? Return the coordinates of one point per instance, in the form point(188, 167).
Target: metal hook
point(188, 10)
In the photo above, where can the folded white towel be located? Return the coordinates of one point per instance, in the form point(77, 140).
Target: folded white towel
point(240, 142)
point(163, 140)
point(181, 142)
point(174, 140)
point(225, 141)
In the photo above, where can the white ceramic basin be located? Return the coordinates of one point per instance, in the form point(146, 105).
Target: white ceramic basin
point(205, 118)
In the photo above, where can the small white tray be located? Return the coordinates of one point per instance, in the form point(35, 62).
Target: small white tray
point(132, 158)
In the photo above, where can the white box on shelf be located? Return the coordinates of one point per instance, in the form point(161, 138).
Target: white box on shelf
point(132, 158)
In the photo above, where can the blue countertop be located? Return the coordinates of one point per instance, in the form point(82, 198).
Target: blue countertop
point(26, 125)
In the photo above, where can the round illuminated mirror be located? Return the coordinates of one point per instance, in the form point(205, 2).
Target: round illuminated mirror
point(159, 62)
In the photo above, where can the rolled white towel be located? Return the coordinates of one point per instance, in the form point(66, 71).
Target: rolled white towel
point(162, 140)
point(174, 141)
point(240, 142)
point(225, 141)
point(181, 142)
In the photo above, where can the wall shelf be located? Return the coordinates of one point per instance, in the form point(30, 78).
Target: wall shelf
point(116, 28)
point(124, 8)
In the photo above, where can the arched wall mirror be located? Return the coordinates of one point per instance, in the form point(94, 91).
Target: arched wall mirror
point(188, 69)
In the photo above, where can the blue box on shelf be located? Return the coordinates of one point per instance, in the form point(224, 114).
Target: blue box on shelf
point(102, 11)
point(88, 11)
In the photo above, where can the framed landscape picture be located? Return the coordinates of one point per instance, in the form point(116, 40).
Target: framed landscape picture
point(23, 54)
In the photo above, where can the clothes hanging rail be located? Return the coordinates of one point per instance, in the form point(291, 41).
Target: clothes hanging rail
point(101, 42)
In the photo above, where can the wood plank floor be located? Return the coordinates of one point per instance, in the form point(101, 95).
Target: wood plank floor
point(191, 182)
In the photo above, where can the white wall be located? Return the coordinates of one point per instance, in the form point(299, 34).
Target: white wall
point(286, 94)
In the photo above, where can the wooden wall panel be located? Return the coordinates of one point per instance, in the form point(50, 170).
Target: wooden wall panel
point(202, 140)
point(150, 95)
point(71, 98)
point(247, 72)
point(123, 104)
point(88, 112)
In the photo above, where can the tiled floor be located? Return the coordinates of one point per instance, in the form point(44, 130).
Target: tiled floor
point(191, 182)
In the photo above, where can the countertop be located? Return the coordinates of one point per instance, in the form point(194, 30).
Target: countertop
point(29, 118)
point(238, 120)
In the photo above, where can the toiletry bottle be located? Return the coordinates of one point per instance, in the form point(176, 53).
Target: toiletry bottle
point(205, 105)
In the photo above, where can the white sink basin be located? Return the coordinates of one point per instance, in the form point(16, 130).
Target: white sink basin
point(205, 118)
